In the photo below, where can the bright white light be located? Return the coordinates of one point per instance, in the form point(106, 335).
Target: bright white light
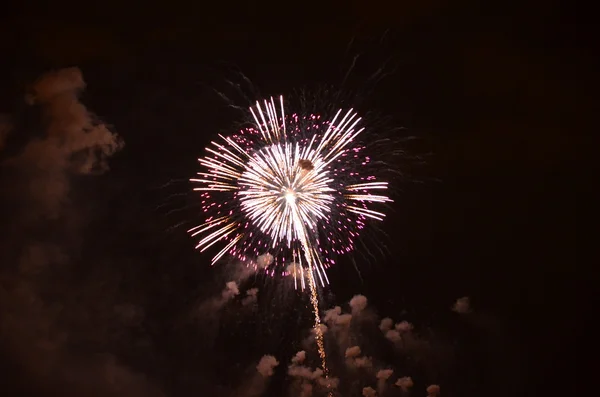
point(290, 196)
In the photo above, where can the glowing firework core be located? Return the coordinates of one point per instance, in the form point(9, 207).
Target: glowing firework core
point(290, 196)
point(278, 194)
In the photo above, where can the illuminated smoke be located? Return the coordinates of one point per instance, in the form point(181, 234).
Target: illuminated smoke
point(386, 324)
point(382, 376)
point(300, 371)
point(404, 327)
point(343, 320)
point(330, 383)
point(299, 357)
point(231, 290)
point(293, 270)
point(352, 352)
point(358, 303)
point(251, 297)
point(207, 308)
point(369, 392)
point(363, 362)
point(48, 335)
point(264, 260)
point(393, 335)
point(266, 365)
point(433, 391)
point(462, 305)
point(306, 376)
point(331, 315)
point(256, 385)
point(353, 360)
point(306, 389)
point(405, 383)
point(75, 143)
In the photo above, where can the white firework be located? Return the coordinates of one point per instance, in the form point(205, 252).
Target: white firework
point(285, 186)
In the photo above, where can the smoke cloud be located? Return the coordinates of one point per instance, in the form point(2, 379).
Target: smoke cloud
point(74, 142)
point(331, 315)
point(363, 362)
point(404, 327)
point(50, 317)
point(231, 290)
point(209, 306)
point(405, 383)
point(299, 371)
point(358, 303)
point(264, 260)
point(299, 357)
point(369, 392)
point(307, 378)
point(266, 365)
point(462, 305)
point(386, 324)
point(255, 385)
point(400, 334)
point(306, 390)
point(393, 335)
point(251, 297)
point(352, 352)
point(369, 358)
point(382, 376)
point(433, 391)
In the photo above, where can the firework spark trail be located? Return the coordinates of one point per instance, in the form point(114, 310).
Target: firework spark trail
point(314, 299)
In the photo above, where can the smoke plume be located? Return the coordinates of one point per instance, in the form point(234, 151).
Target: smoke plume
point(382, 376)
point(51, 317)
point(75, 142)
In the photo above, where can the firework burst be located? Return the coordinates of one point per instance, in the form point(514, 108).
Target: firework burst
point(291, 190)
point(295, 188)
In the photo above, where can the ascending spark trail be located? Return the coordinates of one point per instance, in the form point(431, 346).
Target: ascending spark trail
point(318, 331)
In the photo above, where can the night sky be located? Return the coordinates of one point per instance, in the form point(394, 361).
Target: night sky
point(101, 291)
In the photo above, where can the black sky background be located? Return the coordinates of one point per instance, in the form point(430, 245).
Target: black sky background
point(496, 93)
